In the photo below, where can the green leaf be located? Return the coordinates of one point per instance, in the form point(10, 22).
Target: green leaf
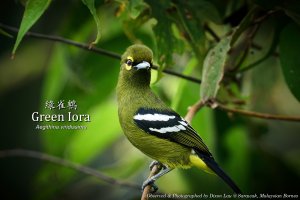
point(244, 24)
point(132, 27)
point(192, 30)
point(213, 70)
point(136, 7)
point(33, 11)
point(289, 57)
point(203, 10)
point(91, 6)
point(166, 42)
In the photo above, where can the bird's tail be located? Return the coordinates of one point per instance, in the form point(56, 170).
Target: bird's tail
point(211, 163)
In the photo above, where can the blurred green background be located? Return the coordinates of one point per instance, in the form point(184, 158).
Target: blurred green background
point(262, 156)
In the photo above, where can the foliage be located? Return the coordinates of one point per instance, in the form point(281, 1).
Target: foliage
point(33, 11)
point(289, 58)
point(213, 70)
point(245, 52)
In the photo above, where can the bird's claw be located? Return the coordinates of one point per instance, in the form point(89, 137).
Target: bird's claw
point(159, 164)
point(153, 163)
point(150, 182)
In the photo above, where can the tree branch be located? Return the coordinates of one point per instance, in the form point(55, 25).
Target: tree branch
point(212, 33)
point(257, 114)
point(192, 111)
point(65, 163)
point(91, 48)
point(147, 190)
point(217, 38)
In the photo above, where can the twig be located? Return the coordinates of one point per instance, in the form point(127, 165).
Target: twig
point(258, 115)
point(264, 17)
point(170, 72)
point(217, 39)
point(65, 41)
point(266, 56)
point(147, 190)
point(258, 22)
point(91, 48)
point(242, 59)
point(212, 33)
point(244, 47)
point(197, 106)
point(192, 111)
point(66, 163)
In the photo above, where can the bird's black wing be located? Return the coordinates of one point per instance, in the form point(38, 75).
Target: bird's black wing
point(169, 125)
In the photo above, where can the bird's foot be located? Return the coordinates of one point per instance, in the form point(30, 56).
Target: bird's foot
point(150, 182)
point(159, 164)
point(162, 169)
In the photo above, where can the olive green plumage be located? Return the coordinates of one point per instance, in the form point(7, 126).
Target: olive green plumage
point(133, 92)
point(153, 127)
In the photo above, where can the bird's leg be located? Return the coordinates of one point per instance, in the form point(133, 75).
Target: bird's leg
point(159, 167)
point(151, 180)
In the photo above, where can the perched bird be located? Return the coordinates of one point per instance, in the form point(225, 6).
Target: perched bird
point(154, 128)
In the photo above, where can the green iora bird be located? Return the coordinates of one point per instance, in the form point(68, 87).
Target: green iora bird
point(154, 128)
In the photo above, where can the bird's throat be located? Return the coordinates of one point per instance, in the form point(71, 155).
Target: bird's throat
point(132, 86)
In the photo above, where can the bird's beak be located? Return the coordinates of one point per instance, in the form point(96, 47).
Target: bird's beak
point(142, 65)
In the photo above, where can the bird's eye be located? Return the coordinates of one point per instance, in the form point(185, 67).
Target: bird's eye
point(129, 62)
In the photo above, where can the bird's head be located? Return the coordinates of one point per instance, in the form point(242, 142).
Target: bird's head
point(136, 63)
